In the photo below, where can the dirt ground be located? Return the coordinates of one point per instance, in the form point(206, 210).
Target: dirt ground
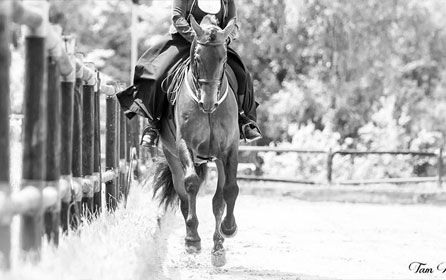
point(279, 237)
point(284, 238)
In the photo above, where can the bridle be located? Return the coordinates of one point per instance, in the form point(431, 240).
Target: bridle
point(198, 82)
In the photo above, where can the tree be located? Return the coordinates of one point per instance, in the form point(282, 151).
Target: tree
point(339, 58)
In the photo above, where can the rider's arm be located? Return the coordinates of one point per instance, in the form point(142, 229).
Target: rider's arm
point(232, 14)
point(179, 20)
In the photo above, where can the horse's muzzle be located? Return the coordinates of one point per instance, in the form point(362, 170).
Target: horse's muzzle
point(208, 110)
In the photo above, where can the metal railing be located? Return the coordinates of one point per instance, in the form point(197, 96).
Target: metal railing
point(330, 154)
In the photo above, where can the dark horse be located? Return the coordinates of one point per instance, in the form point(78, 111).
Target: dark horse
point(204, 128)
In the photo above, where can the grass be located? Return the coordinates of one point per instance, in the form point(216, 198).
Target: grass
point(120, 245)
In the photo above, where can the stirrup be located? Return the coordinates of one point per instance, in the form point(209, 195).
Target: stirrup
point(153, 135)
point(252, 125)
point(248, 124)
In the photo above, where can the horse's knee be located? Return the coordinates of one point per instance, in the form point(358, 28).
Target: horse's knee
point(192, 184)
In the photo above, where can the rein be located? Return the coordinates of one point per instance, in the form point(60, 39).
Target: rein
point(192, 91)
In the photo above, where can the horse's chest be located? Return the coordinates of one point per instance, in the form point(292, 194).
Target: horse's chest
point(204, 135)
point(196, 130)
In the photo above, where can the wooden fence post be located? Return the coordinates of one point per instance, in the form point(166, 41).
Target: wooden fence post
point(440, 168)
point(77, 148)
point(97, 199)
point(67, 88)
point(330, 156)
point(122, 150)
point(118, 149)
point(34, 132)
point(129, 139)
point(111, 152)
point(88, 145)
point(52, 173)
point(5, 188)
point(130, 159)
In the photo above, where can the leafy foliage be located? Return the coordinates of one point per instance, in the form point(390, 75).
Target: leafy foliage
point(332, 63)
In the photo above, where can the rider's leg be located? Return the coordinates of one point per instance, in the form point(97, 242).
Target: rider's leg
point(249, 129)
point(153, 69)
point(157, 101)
point(249, 103)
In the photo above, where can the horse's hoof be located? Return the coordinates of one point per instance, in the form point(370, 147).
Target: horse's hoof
point(218, 258)
point(228, 232)
point(193, 247)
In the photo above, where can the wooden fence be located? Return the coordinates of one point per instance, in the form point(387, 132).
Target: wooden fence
point(62, 174)
point(330, 154)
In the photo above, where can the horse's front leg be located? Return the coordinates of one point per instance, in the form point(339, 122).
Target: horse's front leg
point(218, 254)
point(228, 227)
point(191, 184)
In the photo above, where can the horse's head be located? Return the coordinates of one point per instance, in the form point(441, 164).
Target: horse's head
point(208, 60)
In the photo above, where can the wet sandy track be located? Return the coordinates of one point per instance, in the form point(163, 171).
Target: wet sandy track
point(284, 238)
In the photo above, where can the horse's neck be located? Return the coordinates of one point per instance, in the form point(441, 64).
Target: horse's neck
point(190, 84)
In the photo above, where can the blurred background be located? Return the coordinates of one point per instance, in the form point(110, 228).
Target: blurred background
point(362, 74)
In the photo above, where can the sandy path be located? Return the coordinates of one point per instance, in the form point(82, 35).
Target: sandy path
point(279, 238)
point(283, 238)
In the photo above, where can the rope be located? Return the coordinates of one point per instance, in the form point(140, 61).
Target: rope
point(175, 80)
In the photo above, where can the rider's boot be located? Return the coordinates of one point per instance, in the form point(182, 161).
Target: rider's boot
point(249, 130)
point(156, 102)
point(150, 134)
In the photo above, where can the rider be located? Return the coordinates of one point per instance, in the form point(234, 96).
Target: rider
point(146, 96)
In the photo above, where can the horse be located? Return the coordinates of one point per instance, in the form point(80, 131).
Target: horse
point(204, 128)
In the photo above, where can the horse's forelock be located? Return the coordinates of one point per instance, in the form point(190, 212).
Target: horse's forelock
point(213, 35)
point(211, 29)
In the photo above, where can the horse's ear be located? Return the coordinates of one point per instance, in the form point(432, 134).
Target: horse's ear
point(196, 27)
point(229, 28)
